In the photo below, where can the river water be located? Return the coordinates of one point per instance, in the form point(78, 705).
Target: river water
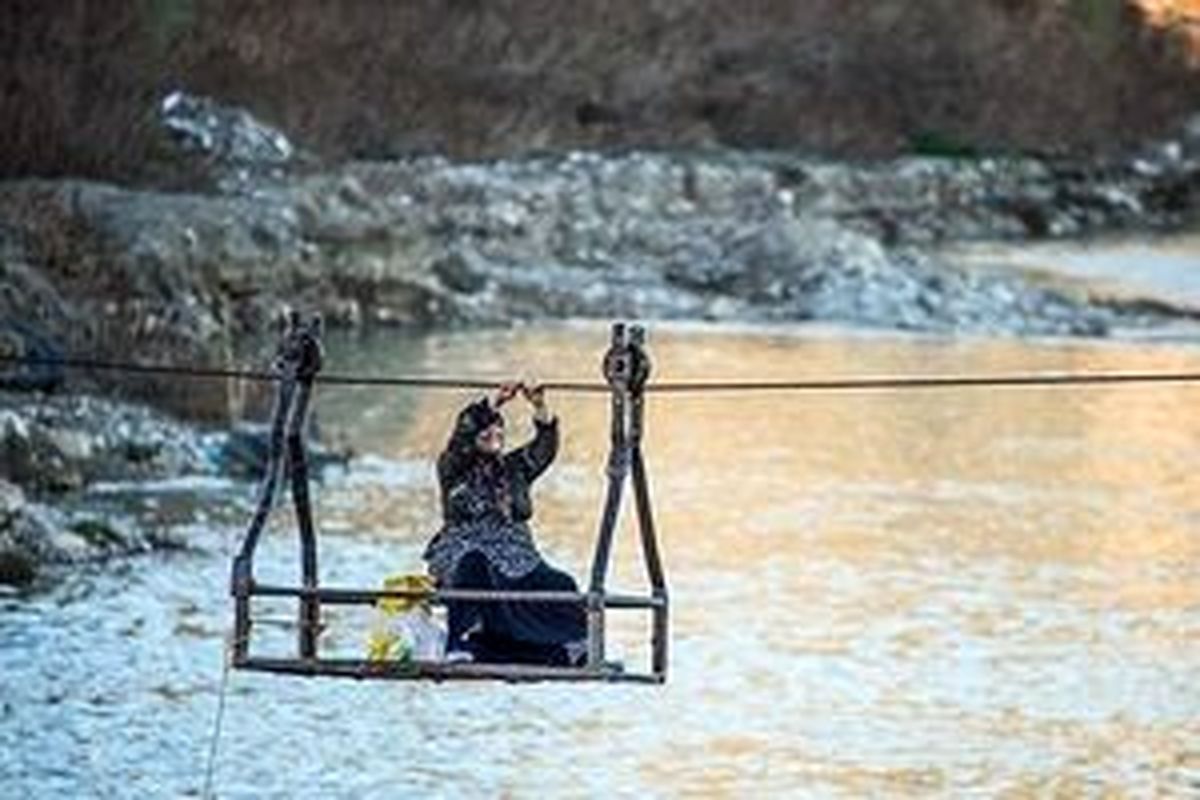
point(1157, 267)
point(936, 593)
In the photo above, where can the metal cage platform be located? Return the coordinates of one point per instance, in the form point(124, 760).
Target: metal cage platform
point(626, 368)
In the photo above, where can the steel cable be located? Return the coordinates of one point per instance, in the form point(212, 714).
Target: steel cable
point(865, 383)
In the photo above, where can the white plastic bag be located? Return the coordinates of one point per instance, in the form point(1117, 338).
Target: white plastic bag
point(404, 629)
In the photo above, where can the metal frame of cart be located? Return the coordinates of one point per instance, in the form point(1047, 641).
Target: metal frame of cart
point(297, 363)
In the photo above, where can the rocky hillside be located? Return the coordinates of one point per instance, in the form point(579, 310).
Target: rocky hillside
point(482, 78)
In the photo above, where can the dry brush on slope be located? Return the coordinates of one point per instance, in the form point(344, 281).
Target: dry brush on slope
point(481, 78)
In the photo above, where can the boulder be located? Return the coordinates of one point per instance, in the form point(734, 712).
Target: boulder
point(34, 537)
point(226, 133)
point(27, 534)
point(33, 366)
point(56, 444)
point(12, 502)
point(33, 455)
point(242, 452)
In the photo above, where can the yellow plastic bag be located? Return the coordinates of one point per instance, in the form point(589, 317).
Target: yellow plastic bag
point(404, 628)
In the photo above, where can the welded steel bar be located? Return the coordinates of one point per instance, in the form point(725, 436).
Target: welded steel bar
point(308, 366)
point(363, 669)
point(338, 596)
point(242, 577)
point(639, 374)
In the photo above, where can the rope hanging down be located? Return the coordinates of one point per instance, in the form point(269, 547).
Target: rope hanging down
point(869, 383)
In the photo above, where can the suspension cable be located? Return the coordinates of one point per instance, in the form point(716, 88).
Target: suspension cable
point(417, 381)
point(866, 383)
point(904, 382)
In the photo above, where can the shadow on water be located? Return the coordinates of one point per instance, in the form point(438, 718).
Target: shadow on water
point(989, 591)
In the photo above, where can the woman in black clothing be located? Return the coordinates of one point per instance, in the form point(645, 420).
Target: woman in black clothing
point(485, 541)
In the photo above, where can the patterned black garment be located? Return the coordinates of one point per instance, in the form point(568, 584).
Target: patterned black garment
point(485, 543)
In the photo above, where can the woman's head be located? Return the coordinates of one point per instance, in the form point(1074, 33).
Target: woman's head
point(491, 439)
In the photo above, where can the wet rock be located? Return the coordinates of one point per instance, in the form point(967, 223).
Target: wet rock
point(34, 537)
point(461, 272)
point(39, 372)
point(26, 536)
point(58, 444)
point(12, 501)
point(106, 535)
point(242, 452)
point(166, 538)
point(231, 134)
point(16, 568)
point(32, 455)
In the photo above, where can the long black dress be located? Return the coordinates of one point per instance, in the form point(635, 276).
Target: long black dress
point(485, 543)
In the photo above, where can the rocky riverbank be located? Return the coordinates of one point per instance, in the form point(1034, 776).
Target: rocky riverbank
point(51, 447)
point(188, 277)
point(54, 449)
point(182, 277)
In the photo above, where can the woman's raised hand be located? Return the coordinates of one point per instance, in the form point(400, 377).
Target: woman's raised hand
point(508, 391)
point(535, 393)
